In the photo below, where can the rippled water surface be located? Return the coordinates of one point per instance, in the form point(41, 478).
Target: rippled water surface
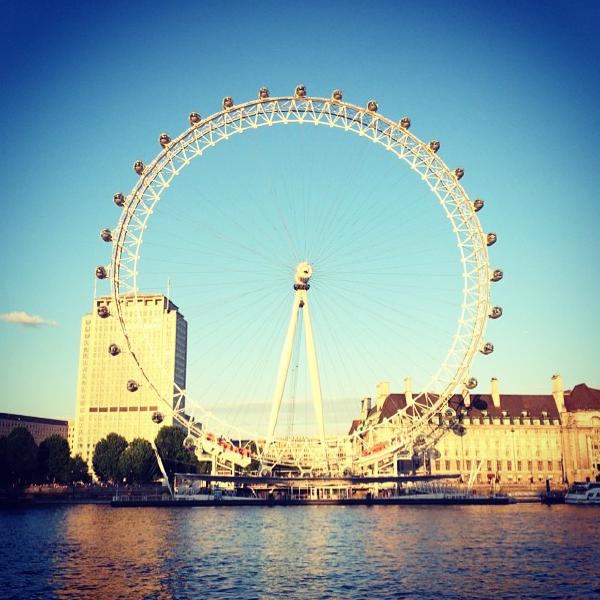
point(523, 551)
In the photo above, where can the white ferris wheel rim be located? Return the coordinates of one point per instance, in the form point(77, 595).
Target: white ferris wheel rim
point(440, 179)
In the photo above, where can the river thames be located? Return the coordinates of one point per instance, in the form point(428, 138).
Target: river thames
point(91, 551)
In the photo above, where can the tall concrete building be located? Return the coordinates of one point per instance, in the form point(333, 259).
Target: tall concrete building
point(108, 373)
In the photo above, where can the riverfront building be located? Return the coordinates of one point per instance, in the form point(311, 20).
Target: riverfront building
point(39, 427)
point(112, 394)
point(511, 439)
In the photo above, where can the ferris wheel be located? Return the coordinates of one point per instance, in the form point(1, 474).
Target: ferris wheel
point(270, 247)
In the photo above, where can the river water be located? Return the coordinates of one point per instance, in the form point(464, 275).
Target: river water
point(90, 551)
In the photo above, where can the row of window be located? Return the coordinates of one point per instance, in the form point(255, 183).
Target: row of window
point(103, 409)
point(496, 465)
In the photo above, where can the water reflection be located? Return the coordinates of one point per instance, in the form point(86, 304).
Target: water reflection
point(110, 553)
point(518, 551)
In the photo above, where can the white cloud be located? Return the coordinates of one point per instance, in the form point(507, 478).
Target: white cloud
point(23, 318)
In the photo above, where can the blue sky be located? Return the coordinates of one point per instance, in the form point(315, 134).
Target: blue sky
point(511, 92)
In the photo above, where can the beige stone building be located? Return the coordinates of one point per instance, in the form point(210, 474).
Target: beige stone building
point(39, 427)
point(510, 439)
point(108, 373)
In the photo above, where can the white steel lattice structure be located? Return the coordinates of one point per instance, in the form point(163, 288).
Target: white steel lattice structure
point(414, 426)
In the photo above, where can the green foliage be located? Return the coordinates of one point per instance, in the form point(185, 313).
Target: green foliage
point(54, 460)
point(138, 463)
point(106, 457)
point(176, 458)
point(18, 457)
point(78, 471)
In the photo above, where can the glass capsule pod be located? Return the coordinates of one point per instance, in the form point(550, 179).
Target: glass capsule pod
point(459, 172)
point(300, 91)
point(164, 140)
point(263, 93)
point(405, 122)
point(337, 95)
point(487, 348)
point(449, 413)
point(434, 145)
point(114, 350)
point(497, 275)
point(372, 106)
point(478, 204)
point(491, 239)
point(106, 235)
point(102, 311)
point(157, 417)
point(119, 199)
point(189, 443)
point(101, 272)
point(496, 312)
point(138, 167)
point(132, 386)
point(471, 383)
point(195, 118)
point(227, 102)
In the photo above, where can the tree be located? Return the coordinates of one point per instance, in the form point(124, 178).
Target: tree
point(20, 456)
point(138, 463)
point(54, 459)
point(176, 458)
point(78, 471)
point(106, 457)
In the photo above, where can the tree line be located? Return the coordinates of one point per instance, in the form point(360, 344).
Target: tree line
point(114, 460)
point(23, 462)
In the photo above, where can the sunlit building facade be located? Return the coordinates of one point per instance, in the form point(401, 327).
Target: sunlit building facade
point(112, 393)
point(510, 439)
point(39, 427)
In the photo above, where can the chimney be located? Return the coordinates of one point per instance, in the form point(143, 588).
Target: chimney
point(466, 397)
point(495, 392)
point(558, 393)
point(382, 392)
point(408, 391)
point(365, 407)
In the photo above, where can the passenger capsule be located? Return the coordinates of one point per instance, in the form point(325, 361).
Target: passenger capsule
point(138, 167)
point(114, 350)
point(337, 95)
point(263, 93)
point(300, 91)
point(471, 383)
point(459, 172)
point(195, 118)
point(164, 140)
point(189, 443)
point(157, 417)
point(227, 102)
point(405, 122)
point(497, 275)
point(496, 312)
point(101, 272)
point(372, 106)
point(449, 413)
point(420, 440)
point(103, 311)
point(491, 239)
point(478, 204)
point(434, 145)
point(106, 235)
point(132, 386)
point(119, 199)
point(487, 348)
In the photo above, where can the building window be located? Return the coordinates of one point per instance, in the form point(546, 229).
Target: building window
point(519, 465)
point(468, 465)
point(509, 465)
point(540, 465)
point(458, 465)
point(530, 465)
point(447, 465)
point(438, 465)
point(489, 465)
point(549, 465)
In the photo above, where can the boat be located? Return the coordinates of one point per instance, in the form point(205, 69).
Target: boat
point(584, 493)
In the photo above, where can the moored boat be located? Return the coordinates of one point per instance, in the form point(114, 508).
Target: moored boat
point(584, 493)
